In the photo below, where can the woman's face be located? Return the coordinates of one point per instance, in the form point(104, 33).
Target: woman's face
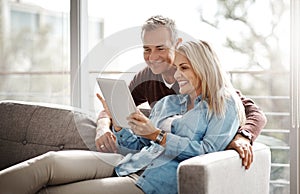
point(187, 79)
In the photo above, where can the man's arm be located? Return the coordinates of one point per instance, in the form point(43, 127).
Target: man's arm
point(255, 118)
point(137, 89)
point(255, 122)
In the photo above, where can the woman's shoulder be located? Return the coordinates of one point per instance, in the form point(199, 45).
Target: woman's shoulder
point(169, 101)
point(174, 98)
point(232, 98)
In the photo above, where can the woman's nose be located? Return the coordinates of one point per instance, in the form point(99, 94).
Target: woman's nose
point(177, 74)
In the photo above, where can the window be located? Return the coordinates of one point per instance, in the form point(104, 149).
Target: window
point(35, 51)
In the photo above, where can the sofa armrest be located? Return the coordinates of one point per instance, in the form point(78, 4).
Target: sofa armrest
point(222, 172)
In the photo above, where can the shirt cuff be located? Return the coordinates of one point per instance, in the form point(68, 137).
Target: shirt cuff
point(101, 129)
point(100, 132)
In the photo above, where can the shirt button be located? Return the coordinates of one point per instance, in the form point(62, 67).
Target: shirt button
point(24, 142)
point(143, 176)
point(61, 147)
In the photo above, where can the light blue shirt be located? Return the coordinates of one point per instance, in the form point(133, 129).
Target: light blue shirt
point(197, 132)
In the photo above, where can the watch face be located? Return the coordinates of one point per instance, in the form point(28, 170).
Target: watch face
point(246, 134)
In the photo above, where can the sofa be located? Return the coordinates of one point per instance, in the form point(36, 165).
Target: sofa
point(28, 129)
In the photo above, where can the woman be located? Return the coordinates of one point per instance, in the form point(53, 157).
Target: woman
point(202, 119)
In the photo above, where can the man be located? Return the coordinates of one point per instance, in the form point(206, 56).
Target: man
point(160, 40)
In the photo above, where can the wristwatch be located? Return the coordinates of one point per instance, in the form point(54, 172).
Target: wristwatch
point(160, 137)
point(246, 134)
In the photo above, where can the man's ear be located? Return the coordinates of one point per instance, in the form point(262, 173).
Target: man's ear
point(179, 41)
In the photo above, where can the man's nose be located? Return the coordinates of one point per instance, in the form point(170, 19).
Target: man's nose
point(153, 56)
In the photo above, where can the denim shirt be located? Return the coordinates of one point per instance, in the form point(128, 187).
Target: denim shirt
point(197, 132)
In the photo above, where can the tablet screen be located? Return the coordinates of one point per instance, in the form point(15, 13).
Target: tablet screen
point(118, 98)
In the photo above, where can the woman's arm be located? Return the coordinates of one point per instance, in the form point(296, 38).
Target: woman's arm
point(127, 139)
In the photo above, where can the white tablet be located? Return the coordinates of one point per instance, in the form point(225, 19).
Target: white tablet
point(118, 99)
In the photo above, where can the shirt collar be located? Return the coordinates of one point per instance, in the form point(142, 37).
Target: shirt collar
point(167, 84)
point(184, 98)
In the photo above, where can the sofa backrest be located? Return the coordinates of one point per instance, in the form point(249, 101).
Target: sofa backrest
point(30, 129)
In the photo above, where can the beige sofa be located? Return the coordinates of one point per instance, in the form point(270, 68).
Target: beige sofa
point(30, 129)
point(223, 173)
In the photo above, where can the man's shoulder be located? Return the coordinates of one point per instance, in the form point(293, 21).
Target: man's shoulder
point(145, 76)
point(147, 73)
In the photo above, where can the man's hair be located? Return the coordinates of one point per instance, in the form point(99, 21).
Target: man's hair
point(158, 21)
point(215, 83)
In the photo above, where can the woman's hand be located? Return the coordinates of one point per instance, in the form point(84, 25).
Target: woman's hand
point(117, 128)
point(106, 112)
point(142, 126)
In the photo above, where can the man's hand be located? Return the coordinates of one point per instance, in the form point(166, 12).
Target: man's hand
point(243, 147)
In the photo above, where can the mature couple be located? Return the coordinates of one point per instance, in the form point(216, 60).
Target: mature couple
point(195, 110)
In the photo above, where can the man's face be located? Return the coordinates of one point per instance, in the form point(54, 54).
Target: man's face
point(159, 53)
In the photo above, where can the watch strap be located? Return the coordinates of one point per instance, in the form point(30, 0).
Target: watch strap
point(160, 137)
point(246, 134)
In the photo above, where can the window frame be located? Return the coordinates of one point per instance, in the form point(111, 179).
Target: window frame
point(295, 98)
point(78, 51)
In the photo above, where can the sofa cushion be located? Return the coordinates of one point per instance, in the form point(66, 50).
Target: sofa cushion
point(30, 129)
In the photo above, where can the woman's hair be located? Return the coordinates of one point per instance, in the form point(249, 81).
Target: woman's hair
point(159, 21)
point(215, 84)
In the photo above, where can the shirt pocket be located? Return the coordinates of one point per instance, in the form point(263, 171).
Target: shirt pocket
point(189, 126)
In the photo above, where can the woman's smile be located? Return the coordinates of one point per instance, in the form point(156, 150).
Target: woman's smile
point(182, 83)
